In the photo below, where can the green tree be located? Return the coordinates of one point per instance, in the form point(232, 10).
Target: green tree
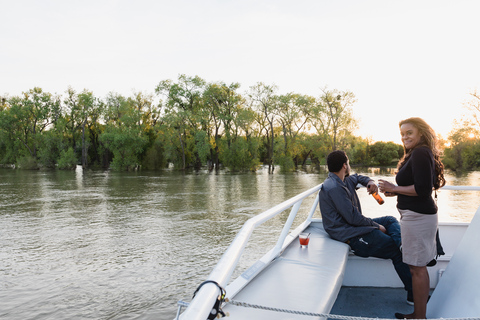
point(26, 118)
point(126, 143)
point(338, 116)
point(240, 155)
point(72, 118)
point(384, 153)
point(51, 144)
point(464, 150)
point(89, 109)
point(96, 127)
point(264, 101)
point(245, 136)
point(224, 105)
point(244, 123)
point(359, 151)
point(316, 148)
point(147, 111)
point(293, 115)
point(149, 115)
point(124, 133)
point(67, 160)
point(183, 105)
point(155, 157)
point(8, 140)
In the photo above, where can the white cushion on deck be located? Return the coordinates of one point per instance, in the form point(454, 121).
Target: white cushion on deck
point(304, 279)
point(457, 295)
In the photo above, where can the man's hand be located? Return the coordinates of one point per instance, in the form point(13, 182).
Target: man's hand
point(382, 228)
point(372, 187)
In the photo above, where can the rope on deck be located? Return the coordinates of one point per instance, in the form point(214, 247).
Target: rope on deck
point(324, 315)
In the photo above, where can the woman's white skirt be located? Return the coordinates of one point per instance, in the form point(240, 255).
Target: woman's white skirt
point(419, 245)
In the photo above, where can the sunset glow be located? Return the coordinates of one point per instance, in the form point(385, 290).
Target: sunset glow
point(426, 67)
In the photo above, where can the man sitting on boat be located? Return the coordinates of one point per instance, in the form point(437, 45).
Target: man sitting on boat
point(343, 219)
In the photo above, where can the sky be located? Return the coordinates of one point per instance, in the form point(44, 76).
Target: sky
point(399, 58)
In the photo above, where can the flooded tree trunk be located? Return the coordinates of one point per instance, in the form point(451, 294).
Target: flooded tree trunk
point(183, 151)
point(271, 148)
point(84, 146)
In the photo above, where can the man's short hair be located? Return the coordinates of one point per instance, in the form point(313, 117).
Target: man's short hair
point(335, 160)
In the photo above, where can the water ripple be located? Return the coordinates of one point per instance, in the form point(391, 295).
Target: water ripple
point(109, 245)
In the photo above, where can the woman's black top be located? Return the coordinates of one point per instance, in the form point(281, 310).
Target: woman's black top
point(419, 170)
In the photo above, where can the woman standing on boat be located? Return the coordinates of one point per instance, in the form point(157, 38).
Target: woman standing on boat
point(418, 173)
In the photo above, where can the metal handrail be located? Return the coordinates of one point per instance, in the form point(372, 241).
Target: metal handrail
point(201, 305)
point(461, 188)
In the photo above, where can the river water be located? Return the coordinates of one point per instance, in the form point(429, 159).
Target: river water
point(129, 245)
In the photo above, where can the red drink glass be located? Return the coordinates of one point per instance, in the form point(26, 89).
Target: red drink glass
point(304, 239)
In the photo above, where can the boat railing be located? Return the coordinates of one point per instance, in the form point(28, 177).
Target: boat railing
point(201, 305)
point(461, 188)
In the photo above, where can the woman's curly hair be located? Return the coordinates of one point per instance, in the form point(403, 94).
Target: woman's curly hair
point(428, 139)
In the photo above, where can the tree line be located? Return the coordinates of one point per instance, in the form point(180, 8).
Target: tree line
point(189, 123)
point(462, 149)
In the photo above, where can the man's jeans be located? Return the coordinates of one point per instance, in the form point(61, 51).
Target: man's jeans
point(385, 246)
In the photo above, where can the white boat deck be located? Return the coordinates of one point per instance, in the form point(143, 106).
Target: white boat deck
point(309, 277)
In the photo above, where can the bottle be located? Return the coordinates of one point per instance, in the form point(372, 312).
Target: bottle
point(378, 198)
